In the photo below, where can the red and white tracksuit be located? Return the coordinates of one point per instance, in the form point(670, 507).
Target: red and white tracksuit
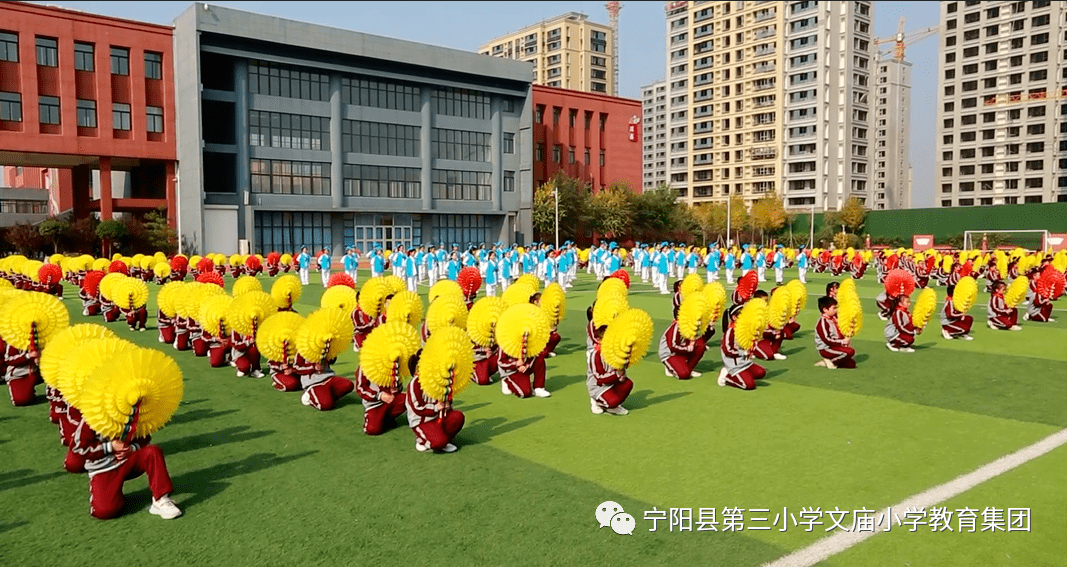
point(431, 427)
point(769, 345)
point(324, 387)
point(378, 415)
point(107, 474)
point(485, 364)
point(899, 330)
point(832, 345)
point(1000, 315)
point(244, 353)
point(218, 352)
point(522, 384)
point(679, 354)
point(181, 333)
point(283, 377)
point(165, 326)
point(741, 372)
point(137, 319)
point(1040, 309)
point(608, 387)
point(196, 338)
point(362, 324)
point(21, 374)
point(953, 322)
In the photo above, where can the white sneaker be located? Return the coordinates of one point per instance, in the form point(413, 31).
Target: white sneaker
point(551, 355)
point(160, 339)
point(1026, 316)
point(883, 317)
point(779, 356)
point(164, 508)
point(667, 372)
point(597, 410)
point(421, 448)
point(945, 334)
point(822, 362)
point(1051, 320)
point(695, 374)
point(233, 363)
point(907, 349)
point(305, 398)
point(450, 448)
point(504, 388)
point(240, 374)
point(1016, 328)
point(891, 347)
point(829, 364)
point(542, 393)
point(85, 312)
point(967, 338)
point(722, 376)
point(257, 374)
point(619, 410)
point(991, 325)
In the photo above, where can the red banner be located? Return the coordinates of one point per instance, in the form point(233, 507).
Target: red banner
point(921, 242)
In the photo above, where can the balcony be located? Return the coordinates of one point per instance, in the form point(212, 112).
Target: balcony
point(765, 32)
point(763, 68)
point(763, 153)
point(763, 86)
point(764, 15)
point(763, 51)
point(764, 102)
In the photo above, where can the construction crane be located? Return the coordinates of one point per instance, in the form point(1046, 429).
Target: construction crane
point(902, 39)
point(613, 18)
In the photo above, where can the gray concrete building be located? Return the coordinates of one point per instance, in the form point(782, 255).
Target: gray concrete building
point(892, 132)
point(1002, 104)
point(293, 134)
point(653, 135)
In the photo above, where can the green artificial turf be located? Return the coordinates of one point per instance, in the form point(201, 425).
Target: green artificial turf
point(264, 480)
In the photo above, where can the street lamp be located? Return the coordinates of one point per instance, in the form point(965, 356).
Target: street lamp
point(555, 193)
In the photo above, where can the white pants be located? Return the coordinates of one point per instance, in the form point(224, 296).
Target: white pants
point(692, 270)
point(413, 283)
point(713, 276)
point(374, 274)
point(325, 276)
point(354, 274)
point(422, 273)
point(803, 274)
point(490, 290)
point(762, 273)
point(433, 276)
point(304, 276)
point(504, 282)
point(778, 275)
point(645, 273)
point(660, 280)
point(562, 280)
point(729, 275)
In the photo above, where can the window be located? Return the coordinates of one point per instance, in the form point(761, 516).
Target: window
point(603, 158)
point(570, 155)
point(10, 107)
point(1039, 57)
point(47, 52)
point(291, 230)
point(9, 47)
point(599, 87)
point(1032, 199)
point(120, 116)
point(1039, 39)
point(1039, 75)
point(83, 57)
point(153, 65)
point(539, 114)
point(86, 113)
point(120, 61)
point(509, 142)
point(587, 160)
point(555, 115)
point(452, 185)
point(49, 109)
point(1042, 20)
point(290, 177)
point(539, 154)
point(461, 102)
point(381, 181)
point(375, 138)
point(274, 79)
point(459, 145)
point(509, 181)
point(557, 153)
point(154, 119)
point(378, 94)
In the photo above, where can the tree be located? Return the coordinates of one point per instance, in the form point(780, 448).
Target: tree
point(739, 219)
point(710, 218)
point(611, 210)
point(655, 210)
point(573, 206)
point(26, 239)
point(53, 228)
point(161, 236)
point(110, 231)
point(82, 235)
point(853, 215)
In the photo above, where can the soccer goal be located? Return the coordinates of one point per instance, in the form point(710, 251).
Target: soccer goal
point(1033, 240)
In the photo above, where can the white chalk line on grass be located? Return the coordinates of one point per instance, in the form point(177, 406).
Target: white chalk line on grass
point(840, 541)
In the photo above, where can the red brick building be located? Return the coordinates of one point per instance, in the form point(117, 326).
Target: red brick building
point(86, 92)
point(593, 137)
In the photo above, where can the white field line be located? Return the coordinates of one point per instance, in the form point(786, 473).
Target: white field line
point(840, 541)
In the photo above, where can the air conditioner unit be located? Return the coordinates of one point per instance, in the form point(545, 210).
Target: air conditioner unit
point(244, 246)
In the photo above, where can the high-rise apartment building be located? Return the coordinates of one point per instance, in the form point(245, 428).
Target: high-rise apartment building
point(892, 125)
point(653, 135)
point(770, 97)
point(567, 51)
point(1002, 104)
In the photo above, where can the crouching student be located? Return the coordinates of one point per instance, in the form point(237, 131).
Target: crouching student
point(381, 405)
point(1002, 317)
point(434, 422)
point(738, 369)
point(833, 347)
point(899, 330)
point(608, 387)
point(322, 386)
point(954, 324)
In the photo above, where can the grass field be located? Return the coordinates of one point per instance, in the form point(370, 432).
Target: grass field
point(264, 480)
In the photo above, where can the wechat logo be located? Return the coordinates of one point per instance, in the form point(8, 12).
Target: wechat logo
point(611, 514)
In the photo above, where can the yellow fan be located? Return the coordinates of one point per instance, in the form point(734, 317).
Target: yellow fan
point(130, 293)
point(847, 288)
point(799, 292)
point(445, 287)
point(212, 315)
point(396, 284)
point(245, 284)
point(235, 260)
point(83, 360)
point(286, 259)
point(522, 331)
point(482, 320)
point(607, 308)
point(692, 316)
point(925, 306)
point(583, 255)
point(286, 291)
point(627, 339)
point(385, 353)
point(965, 294)
point(446, 311)
point(1016, 292)
point(691, 283)
point(531, 281)
point(147, 262)
point(108, 284)
point(276, 337)
point(611, 286)
point(850, 316)
point(518, 293)
point(32, 319)
point(405, 307)
point(339, 297)
point(187, 299)
point(249, 310)
point(750, 324)
point(194, 260)
point(324, 335)
point(554, 303)
point(372, 296)
point(161, 270)
point(133, 396)
point(56, 355)
point(715, 293)
point(446, 364)
point(780, 307)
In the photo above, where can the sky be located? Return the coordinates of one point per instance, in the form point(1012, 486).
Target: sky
point(642, 40)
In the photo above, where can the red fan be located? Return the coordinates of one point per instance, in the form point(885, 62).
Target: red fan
point(857, 260)
point(966, 269)
point(50, 274)
point(253, 263)
point(179, 264)
point(341, 278)
point(118, 266)
point(274, 258)
point(899, 282)
point(91, 282)
point(211, 277)
point(839, 261)
point(931, 263)
point(622, 275)
point(825, 256)
point(1050, 283)
point(747, 285)
point(892, 262)
point(469, 280)
point(205, 265)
